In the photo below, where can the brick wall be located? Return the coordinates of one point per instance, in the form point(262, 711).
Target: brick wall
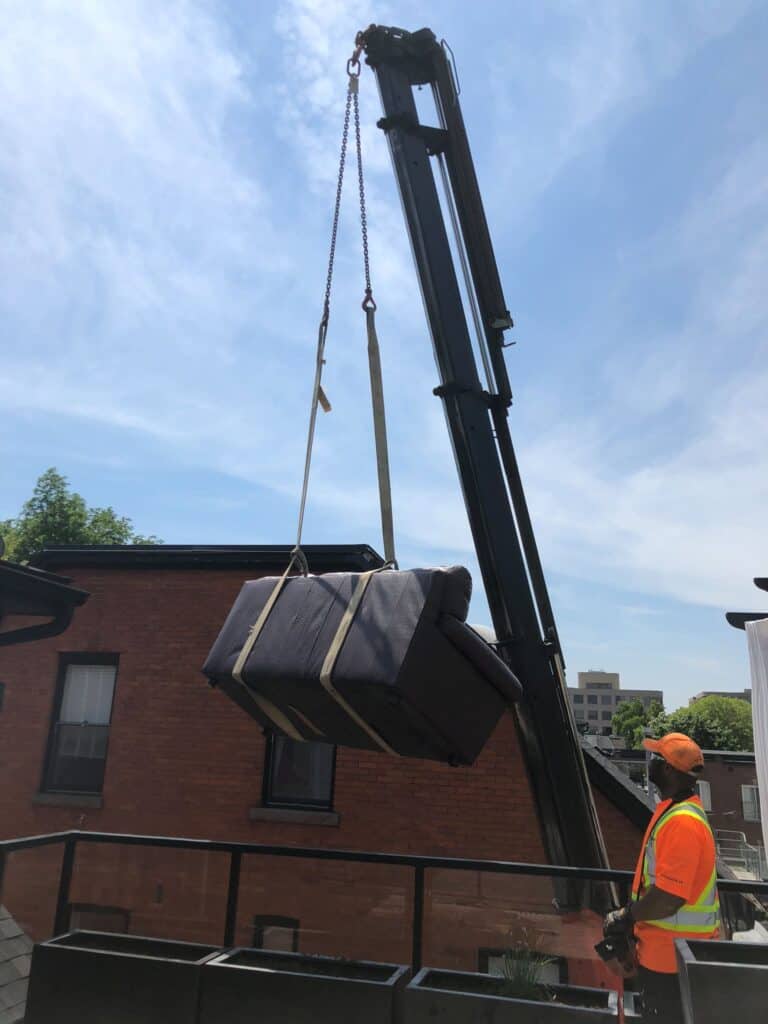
point(726, 774)
point(622, 838)
point(184, 760)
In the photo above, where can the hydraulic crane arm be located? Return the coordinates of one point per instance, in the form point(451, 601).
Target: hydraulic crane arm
point(478, 423)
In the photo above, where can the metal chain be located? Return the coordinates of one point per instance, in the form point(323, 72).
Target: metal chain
point(368, 300)
point(368, 304)
point(337, 207)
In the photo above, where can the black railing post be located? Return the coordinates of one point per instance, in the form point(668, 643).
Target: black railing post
point(418, 917)
point(232, 894)
point(61, 921)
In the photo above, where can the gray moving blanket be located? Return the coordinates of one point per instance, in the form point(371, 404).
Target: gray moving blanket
point(379, 661)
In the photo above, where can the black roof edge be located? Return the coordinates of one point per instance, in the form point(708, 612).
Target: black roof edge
point(28, 592)
point(618, 787)
point(320, 557)
point(36, 584)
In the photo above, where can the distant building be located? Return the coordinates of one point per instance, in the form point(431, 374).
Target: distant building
point(599, 695)
point(744, 695)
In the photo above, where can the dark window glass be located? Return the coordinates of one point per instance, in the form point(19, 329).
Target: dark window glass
point(279, 933)
point(93, 918)
point(578, 698)
point(607, 716)
point(299, 774)
point(591, 699)
point(606, 700)
point(552, 970)
point(592, 715)
point(77, 750)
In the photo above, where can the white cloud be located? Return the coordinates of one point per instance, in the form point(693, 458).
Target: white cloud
point(591, 62)
point(145, 285)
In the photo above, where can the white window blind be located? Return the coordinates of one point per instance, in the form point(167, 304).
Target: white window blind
point(88, 692)
point(750, 803)
point(705, 795)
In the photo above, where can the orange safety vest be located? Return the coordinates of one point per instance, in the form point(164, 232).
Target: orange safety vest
point(698, 919)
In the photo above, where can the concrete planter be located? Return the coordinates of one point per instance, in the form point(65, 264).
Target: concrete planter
point(722, 981)
point(456, 997)
point(94, 977)
point(254, 985)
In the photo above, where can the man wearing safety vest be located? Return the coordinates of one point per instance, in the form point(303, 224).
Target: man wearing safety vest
point(674, 891)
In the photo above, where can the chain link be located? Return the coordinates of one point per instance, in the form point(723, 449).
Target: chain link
point(368, 300)
point(337, 208)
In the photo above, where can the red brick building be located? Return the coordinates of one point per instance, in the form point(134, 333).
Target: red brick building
point(164, 754)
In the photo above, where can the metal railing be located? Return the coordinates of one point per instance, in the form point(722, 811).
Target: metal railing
point(419, 865)
point(738, 853)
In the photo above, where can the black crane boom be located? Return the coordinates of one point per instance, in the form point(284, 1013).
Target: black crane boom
point(477, 416)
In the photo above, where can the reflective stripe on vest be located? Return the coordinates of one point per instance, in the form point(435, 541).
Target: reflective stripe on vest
point(702, 916)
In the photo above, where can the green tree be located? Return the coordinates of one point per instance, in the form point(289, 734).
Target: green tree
point(657, 720)
point(716, 723)
point(56, 515)
point(630, 721)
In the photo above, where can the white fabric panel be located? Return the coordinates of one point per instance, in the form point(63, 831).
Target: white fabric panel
point(88, 693)
point(757, 639)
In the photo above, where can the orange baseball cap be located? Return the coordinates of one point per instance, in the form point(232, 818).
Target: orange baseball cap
point(678, 750)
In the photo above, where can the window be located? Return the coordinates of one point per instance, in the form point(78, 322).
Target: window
point(607, 716)
point(599, 686)
point(579, 715)
point(591, 699)
point(279, 933)
point(606, 700)
point(705, 795)
point(94, 918)
point(299, 774)
point(77, 746)
point(619, 699)
point(592, 716)
point(578, 698)
point(750, 803)
point(553, 972)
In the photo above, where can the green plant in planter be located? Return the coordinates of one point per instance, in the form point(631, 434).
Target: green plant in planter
point(523, 969)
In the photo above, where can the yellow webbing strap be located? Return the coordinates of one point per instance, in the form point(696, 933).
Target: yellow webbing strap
point(272, 712)
point(333, 652)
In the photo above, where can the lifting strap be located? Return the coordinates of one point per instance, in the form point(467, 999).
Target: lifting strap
point(333, 652)
point(274, 713)
point(319, 398)
point(352, 109)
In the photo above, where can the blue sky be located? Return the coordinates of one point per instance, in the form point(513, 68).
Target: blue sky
point(167, 180)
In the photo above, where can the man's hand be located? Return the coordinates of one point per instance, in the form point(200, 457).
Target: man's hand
point(618, 922)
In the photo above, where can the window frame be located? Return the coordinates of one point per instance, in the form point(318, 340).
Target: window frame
point(98, 908)
point(293, 805)
point(706, 800)
point(756, 802)
point(263, 921)
point(65, 660)
point(485, 953)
